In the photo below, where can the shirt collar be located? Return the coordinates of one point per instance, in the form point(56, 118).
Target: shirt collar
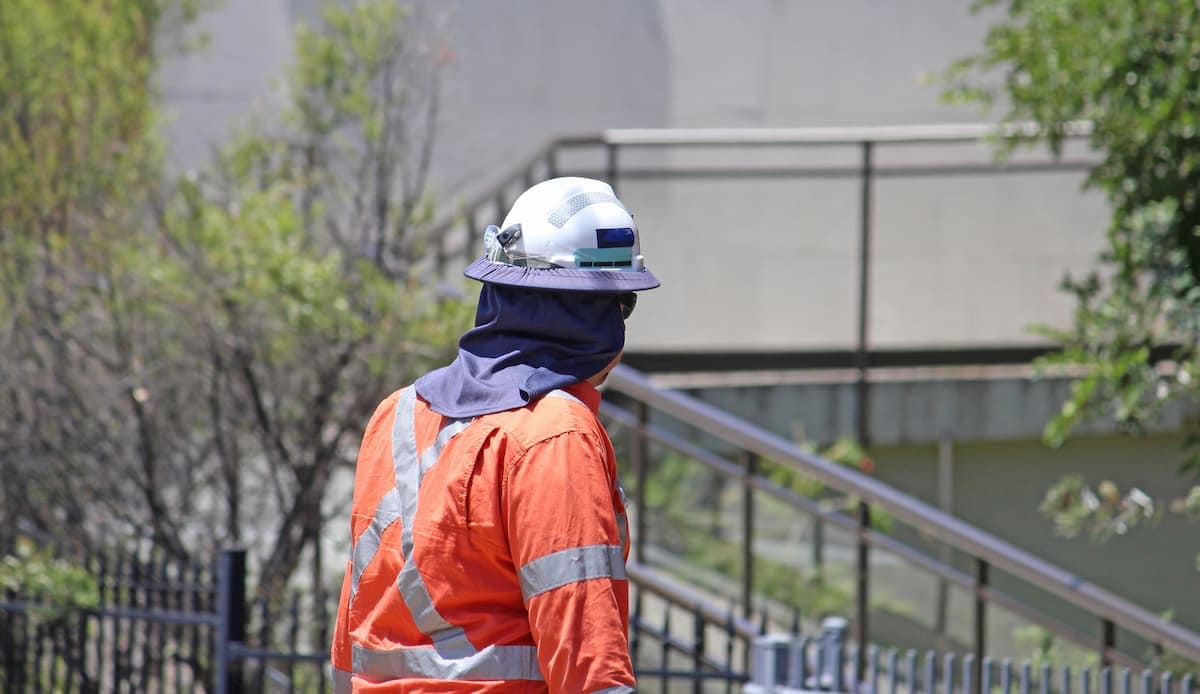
point(587, 393)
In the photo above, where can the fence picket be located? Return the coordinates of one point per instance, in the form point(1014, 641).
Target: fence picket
point(100, 645)
point(140, 630)
point(195, 598)
point(893, 661)
point(264, 634)
point(293, 638)
point(872, 669)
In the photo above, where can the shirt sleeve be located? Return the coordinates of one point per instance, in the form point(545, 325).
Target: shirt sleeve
point(562, 531)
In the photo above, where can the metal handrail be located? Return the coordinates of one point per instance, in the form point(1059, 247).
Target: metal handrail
point(847, 523)
point(678, 594)
point(898, 134)
point(616, 138)
point(929, 520)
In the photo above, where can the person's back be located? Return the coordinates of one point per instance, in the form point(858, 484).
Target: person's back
point(489, 530)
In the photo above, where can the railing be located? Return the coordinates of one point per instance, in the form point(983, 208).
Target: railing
point(160, 625)
point(678, 635)
point(796, 663)
point(986, 552)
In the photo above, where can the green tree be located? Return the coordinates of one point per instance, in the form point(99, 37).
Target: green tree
point(78, 169)
point(1130, 70)
point(193, 359)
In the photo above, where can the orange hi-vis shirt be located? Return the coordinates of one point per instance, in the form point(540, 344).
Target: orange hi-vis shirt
point(488, 553)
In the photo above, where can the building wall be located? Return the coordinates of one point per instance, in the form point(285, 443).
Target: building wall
point(749, 264)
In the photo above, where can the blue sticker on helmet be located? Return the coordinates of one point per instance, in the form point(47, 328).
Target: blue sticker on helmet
point(620, 237)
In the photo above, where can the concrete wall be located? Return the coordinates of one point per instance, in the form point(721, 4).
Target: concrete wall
point(998, 485)
point(747, 264)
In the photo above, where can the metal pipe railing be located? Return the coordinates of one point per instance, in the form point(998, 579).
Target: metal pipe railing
point(894, 134)
point(546, 160)
point(822, 514)
point(927, 519)
point(679, 594)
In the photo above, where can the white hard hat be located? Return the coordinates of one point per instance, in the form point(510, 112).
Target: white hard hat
point(568, 234)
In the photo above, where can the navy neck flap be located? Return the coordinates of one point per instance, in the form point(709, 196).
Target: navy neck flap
point(525, 343)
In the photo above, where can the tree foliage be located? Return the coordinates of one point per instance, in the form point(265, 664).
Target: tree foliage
point(191, 360)
point(1130, 69)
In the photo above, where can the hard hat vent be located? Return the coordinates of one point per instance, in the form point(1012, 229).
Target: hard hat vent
point(572, 205)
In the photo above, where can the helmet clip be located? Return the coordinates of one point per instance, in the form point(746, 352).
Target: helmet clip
point(510, 234)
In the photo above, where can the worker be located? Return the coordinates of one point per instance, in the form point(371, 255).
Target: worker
point(488, 529)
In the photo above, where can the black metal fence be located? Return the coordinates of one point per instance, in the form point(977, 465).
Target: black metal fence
point(160, 625)
point(682, 641)
point(151, 627)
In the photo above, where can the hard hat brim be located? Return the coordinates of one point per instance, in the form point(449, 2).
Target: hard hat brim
point(561, 279)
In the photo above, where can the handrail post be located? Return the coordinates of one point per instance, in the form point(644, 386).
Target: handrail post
point(750, 461)
point(982, 571)
point(697, 650)
point(862, 423)
point(862, 605)
point(1108, 641)
point(818, 550)
point(640, 454)
point(610, 164)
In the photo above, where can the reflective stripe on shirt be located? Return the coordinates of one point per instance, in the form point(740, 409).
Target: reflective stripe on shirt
point(387, 512)
point(341, 682)
point(491, 663)
point(449, 639)
point(404, 463)
point(409, 468)
point(571, 566)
